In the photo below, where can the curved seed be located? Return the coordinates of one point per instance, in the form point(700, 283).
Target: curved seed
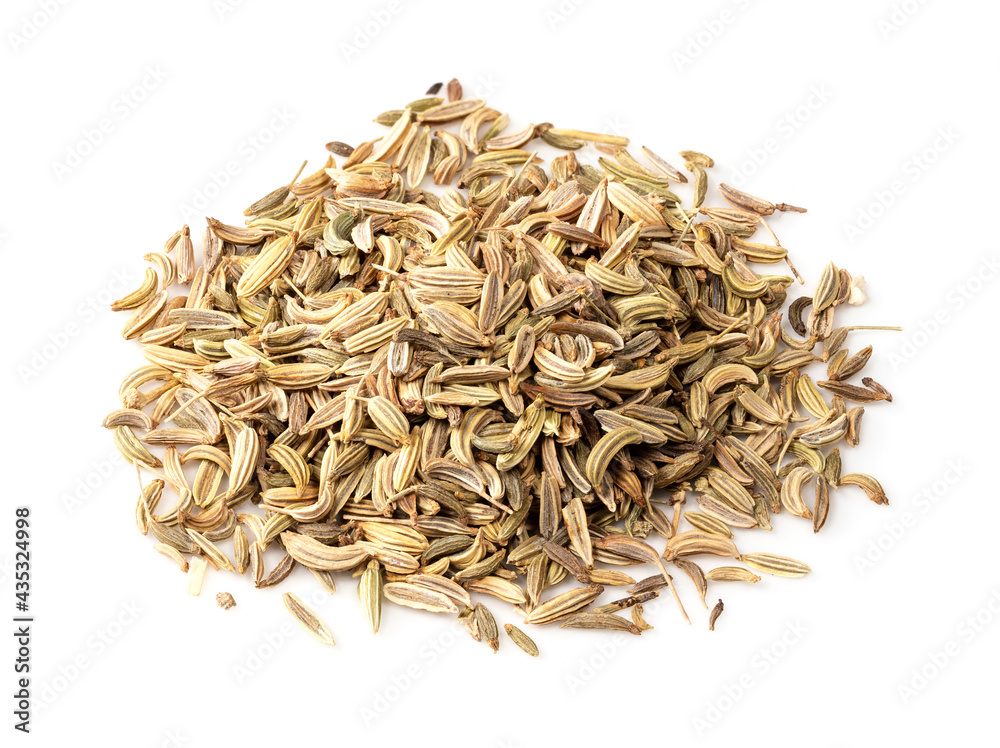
point(605, 450)
point(315, 555)
point(868, 484)
point(141, 295)
point(791, 491)
point(731, 574)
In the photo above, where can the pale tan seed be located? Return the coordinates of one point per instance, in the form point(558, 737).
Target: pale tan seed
point(605, 450)
point(609, 577)
point(145, 291)
point(868, 484)
point(267, 266)
point(563, 605)
point(731, 574)
point(708, 523)
point(315, 555)
point(370, 591)
point(792, 491)
point(592, 137)
point(451, 111)
point(173, 554)
point(693, 542)
point(600, 622)
point(575, 517)
point(241, 550)
point(196, 575)
point(778, 565)
point(637, 618)
point(212, 552)
point(696, 574)
point(389, 419)
point(309, 620)
point(502, 589)
point(421, 598)
point(521, 350)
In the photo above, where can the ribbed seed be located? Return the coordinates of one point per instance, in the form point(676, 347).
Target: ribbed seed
point(731, 574)
point(421, 598)
point(521, 639)
point(370, 592)
point(605, 450)
point(780, 566)
point(564, 605)
point(309, 620)
point(871, 487)
point(575, 517)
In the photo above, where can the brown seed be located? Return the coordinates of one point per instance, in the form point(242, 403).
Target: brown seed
point(822, 507)
point(714, 615)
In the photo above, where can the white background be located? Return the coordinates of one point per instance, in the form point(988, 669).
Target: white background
point(842, 108)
